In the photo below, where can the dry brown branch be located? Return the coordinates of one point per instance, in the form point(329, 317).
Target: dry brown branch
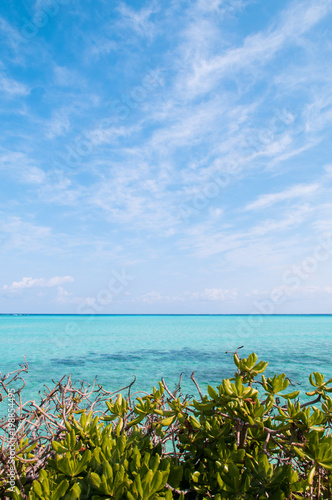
point(167, 389)
point(41, 422)
point(196, 384)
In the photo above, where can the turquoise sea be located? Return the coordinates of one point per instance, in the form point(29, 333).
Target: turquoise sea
point(118, 347)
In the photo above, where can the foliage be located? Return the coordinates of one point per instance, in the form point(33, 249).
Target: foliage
point(249, 438)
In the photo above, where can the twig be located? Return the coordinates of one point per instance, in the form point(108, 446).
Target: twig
point(196, 384)
point(167, 390)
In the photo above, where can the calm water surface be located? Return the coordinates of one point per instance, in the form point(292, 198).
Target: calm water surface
point(117, 348)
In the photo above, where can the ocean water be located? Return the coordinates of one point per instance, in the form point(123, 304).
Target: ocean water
point(117, 348)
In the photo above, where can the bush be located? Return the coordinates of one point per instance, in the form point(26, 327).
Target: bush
point(246, 439)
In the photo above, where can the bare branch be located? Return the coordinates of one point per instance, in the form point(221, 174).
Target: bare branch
point(196, 384)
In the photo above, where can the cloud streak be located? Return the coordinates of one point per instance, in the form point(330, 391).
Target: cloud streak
point(28, 282)
point(299, 191)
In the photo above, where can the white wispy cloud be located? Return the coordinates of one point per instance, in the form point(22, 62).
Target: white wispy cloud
point(58, 125)
point(208, 294)
point(294, 218)
point(20, 166)
point(28, 282)
point(66, 77)
point(11, 87)
point(298, 191)
point(98, 46)
point(293, 291)
point(257, 49)
point(217, 294)
point(139, 20)
point(328, 169)
point(221, 8)
point(318, 113)
point(151, 298)
point(107, 135)
point(11, 35)
point(22, 235)
point(256, 239)
point(63, 296)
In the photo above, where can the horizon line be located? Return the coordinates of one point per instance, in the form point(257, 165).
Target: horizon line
point(166, 314)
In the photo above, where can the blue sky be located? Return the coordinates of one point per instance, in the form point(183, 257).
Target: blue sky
point(166, 157)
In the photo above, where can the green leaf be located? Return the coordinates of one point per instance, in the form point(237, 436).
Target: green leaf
point(278, 495)
point(74, 493)
point(58, 447)
point(236, 360)
point(194, 422)
point(37, 489)
point(61, 490)
point(238, 385)
point(260, 367)
point(196, 476)
point(291, 395)
point(175, 476)
point(311, 475)
point(109, 418)
point(138, 485)
point(136, 421)
point(212, 393)
point(169, 496)
point(227, 387)
point(167, 421)
point(94, 479)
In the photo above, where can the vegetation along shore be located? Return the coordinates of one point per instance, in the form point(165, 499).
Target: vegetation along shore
point(248, 438)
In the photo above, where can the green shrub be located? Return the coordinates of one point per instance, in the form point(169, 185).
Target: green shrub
point(246, 439)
